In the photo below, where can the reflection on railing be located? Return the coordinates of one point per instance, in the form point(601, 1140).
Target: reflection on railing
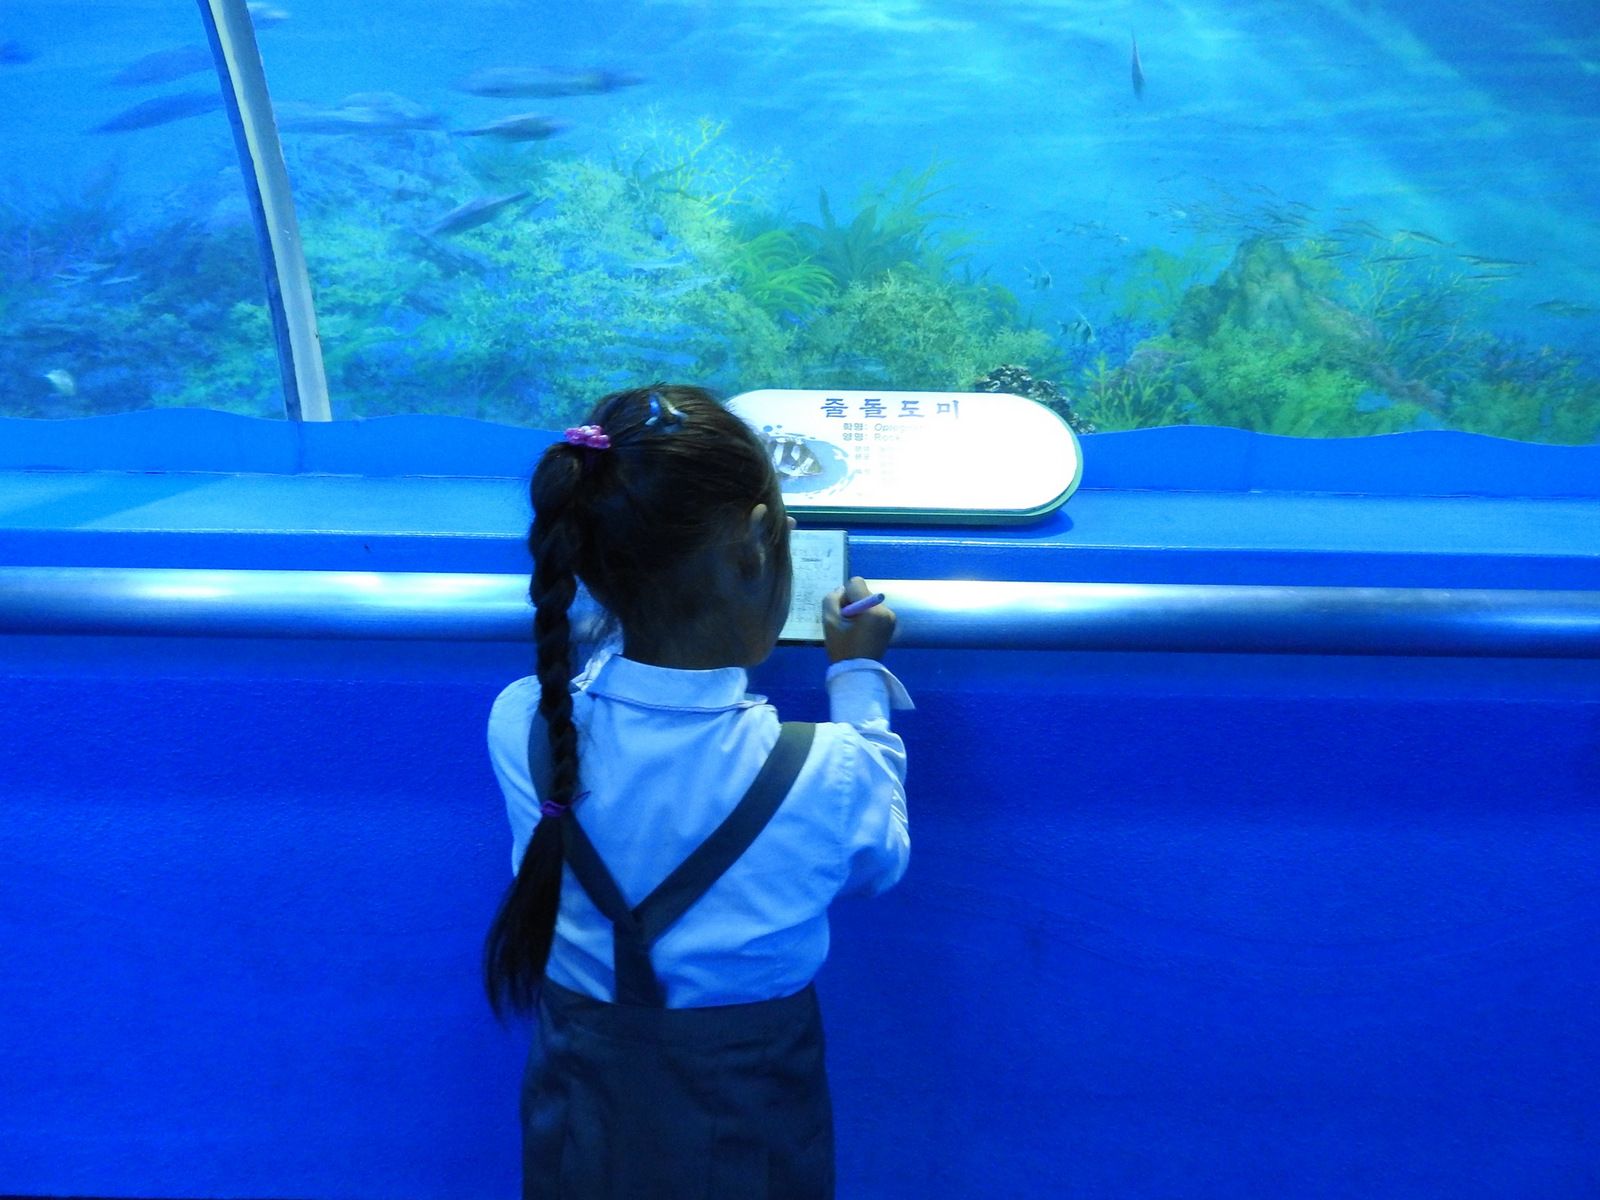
point(933, 613)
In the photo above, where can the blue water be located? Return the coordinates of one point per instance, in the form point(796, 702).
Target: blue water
point(1462, 132)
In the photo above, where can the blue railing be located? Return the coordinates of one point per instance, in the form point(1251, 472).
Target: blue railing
point(933, 613)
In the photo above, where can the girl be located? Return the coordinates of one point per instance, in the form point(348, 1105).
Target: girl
point(675, 849)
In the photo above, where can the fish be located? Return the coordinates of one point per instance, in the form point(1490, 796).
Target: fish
point(1041, 280)
point(451, 260)
point(163, 110)
point(62, 381)
point(15, 54)
point(1479, 261)
point(693, 284)
point(507, 83)
point(526, 127)
point(1417, 235)
point(790, 456)
point(1080, 332)
point(364, 113)
point(1364, 229)
point(666, 264)
point(265, 16)
point(1138, 70)
point(164, 66)
point(1565, 308)
point(473, 213)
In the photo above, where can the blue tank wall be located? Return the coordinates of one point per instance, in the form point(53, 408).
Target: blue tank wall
point(1198, 926)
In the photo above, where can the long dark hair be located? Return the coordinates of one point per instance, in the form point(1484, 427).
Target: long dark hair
point(633, 523)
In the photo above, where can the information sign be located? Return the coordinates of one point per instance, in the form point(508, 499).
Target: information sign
point(964, 457)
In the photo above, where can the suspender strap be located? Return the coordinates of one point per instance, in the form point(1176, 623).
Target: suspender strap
point(634, 931)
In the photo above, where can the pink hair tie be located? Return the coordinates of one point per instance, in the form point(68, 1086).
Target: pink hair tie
point(548, 808)
point(590, 437)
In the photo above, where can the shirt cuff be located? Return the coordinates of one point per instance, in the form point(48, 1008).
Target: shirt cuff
point(863, 689)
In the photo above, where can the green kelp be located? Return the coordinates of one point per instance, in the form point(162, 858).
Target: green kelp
point(666, 258)
point(1316, 337)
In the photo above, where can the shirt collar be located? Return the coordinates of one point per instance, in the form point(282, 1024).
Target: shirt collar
point(645, 686)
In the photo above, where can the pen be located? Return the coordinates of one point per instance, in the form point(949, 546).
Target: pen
point(856, 607)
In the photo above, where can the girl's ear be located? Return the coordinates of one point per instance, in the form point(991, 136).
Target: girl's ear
point(753, 546)
point(757, 528)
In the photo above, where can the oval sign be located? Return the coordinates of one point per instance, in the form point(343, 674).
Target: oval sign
point(962, 457)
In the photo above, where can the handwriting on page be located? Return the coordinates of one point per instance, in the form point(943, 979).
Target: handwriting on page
point(821, 563)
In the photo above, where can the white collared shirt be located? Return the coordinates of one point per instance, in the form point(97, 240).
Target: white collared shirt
point(664, 756)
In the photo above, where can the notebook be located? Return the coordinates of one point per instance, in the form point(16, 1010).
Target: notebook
point(821, 559)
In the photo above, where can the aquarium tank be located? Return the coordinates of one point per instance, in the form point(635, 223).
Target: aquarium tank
point(1330, 218)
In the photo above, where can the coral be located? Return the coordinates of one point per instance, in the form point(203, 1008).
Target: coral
point(100, 312)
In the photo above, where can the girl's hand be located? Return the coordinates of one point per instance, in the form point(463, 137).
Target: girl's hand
point(865, 636)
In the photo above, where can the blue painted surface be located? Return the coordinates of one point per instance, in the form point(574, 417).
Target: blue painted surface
point(1182, 458)
point(402, 494)
point(1201, 927)
point(1175, 926)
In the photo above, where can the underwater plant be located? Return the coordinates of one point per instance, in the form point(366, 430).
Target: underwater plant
point(893, 229)
point(1304, 334)
point(106, 308)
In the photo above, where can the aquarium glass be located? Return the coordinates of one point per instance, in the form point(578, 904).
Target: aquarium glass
point(1325, 218)
point(129, 276)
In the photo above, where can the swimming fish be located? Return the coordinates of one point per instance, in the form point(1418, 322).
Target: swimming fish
point(15, 54)
point(265, 16)
point(1492, 263)
point(1138, 70)
point(506, 83)
point(451, 260)
point(1079, 331)
point(63, 382)
point(528, 127)
point(791, 457)
point(1565, 308)
point(163, 67)
point(365, 112)
point(1041, 280)
point(473, 213)
point(1417, 235)
point(163, 110)
point(1364, 229)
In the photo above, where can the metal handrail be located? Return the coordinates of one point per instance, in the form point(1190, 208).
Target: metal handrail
point(294, 318)
point(933, 613)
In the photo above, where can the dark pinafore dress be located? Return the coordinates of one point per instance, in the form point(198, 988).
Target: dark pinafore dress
point(637, 1101)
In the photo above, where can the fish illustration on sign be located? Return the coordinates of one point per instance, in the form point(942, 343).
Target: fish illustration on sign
point(527, 127)
point(1138, 70)
point(163, 110)
point(473, 213)
point(164, 66)
point(507, 83)
point(791, 456)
